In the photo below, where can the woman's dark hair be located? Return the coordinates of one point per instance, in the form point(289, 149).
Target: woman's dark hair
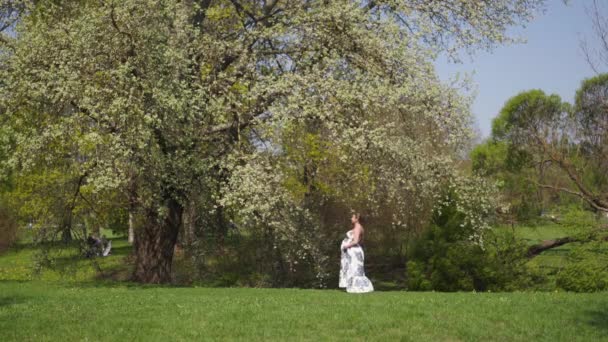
point(359, 217)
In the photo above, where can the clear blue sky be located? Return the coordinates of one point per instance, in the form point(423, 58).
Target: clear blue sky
point(550, 60)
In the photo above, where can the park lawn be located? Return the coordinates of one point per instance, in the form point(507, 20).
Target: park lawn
point(534, 234)
point(84, 306)
point(40, 311)
point(19, 262)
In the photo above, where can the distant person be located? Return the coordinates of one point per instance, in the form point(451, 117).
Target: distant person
point(98, 247)
point(352, 274)
point(94, 246)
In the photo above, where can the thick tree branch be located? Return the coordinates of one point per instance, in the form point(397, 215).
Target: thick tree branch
point(572, 192)
point(549, 244)
point(545, 245)
point(240, 9)
point(237, 124)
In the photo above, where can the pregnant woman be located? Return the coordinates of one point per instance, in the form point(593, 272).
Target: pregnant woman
point(352, 274)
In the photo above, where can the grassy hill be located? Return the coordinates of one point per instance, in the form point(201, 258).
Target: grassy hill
point(78, 303)
point(88, 311)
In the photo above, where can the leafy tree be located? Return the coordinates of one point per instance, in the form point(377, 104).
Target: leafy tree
point(498, 160)
point(591, 122)
point(162, 99)
point(556, 138)
point(553, 146)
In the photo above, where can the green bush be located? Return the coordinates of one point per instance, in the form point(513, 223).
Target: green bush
point(444, 258)
point(587, 269)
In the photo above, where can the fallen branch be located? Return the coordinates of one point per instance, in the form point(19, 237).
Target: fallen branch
point(553, 243)
point(549, 244)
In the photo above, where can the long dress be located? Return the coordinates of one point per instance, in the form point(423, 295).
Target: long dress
point(352, 274)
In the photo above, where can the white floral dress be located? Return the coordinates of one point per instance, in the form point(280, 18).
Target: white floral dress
point(352, 274)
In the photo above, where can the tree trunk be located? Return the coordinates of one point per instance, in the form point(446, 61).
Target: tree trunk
point(131, 237)
point(222, 227)
point(96, 228)
point(189, 224)
point(66, 235)
point(548, 244)
point(66, 228)
point(155, 244)
point(132, 190)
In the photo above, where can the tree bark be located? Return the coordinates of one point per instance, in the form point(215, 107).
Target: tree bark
point(133, 200)
point(66, 235)
point(66, 226)
point(131, 237)
point(95, 228)
point(190, 228)
point(155, 244)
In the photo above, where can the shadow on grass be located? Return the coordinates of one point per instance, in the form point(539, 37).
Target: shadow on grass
point(116, 270)
point(12, 300)
point(57, 243)
point(387, 275)
point(557, 251)
point(122, 284)
point(12, 281)
point(116, 252)
point(597, 318)
point(57, 251)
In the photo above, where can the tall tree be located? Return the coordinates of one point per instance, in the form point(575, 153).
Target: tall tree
point(153, 97)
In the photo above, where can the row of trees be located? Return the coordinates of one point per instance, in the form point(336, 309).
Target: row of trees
point(539, 141)
point(554, 145)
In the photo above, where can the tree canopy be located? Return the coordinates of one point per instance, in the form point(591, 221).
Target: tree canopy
point(165, 100)
point(540, 132)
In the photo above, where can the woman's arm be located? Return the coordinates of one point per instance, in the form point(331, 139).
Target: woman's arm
point(356, 237)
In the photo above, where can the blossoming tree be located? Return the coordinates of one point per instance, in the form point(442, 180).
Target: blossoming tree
point(152, 97)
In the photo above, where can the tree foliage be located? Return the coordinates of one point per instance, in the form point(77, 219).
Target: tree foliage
point(557, 137)
point(443, 259)
point(164, 100)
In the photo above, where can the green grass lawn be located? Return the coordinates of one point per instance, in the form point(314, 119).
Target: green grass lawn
point(19, 262)
point(81, 305)
point(536, 234)
point(39, 311)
